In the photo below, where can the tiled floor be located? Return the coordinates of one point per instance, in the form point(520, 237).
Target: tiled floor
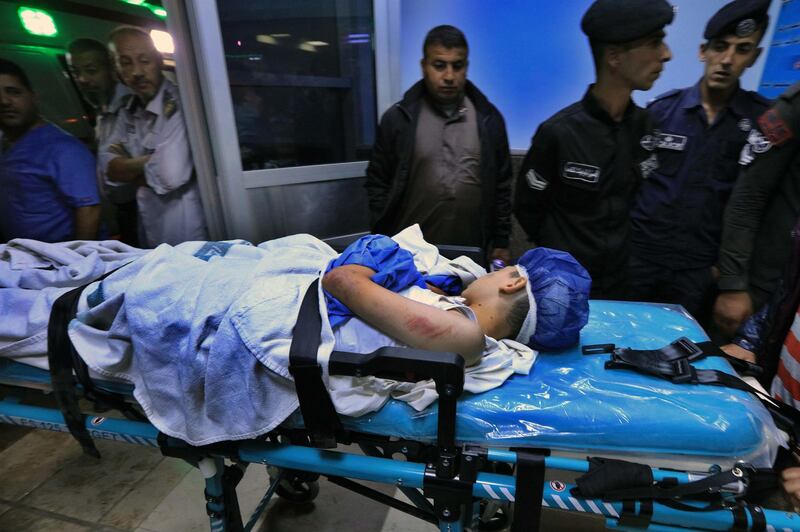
point(47, 484)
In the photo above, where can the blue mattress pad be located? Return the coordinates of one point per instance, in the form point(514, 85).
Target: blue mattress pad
point(570, 401)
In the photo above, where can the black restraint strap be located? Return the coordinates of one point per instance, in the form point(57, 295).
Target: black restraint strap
point(662, 363)
point(529, 489)
point(709, 484)
point(670, 358)
point(759, 519)
point(66, 366)
point(319, 415)
point(741, 523)
point(60, 356)
point(739, 519)
point(608, 475)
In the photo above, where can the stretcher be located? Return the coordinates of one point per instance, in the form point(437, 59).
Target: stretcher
point(679, 455)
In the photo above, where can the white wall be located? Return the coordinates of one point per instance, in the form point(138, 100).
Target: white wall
point(531, 58)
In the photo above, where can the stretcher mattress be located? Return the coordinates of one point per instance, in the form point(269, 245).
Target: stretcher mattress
point(570, 401)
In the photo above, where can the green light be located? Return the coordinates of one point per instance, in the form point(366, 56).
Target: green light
point(37, 22)
point(156, 10)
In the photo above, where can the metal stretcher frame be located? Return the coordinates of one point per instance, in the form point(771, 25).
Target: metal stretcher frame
point(411, 477)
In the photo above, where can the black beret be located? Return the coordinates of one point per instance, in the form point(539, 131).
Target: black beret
point(617, 21)
point(741, 18)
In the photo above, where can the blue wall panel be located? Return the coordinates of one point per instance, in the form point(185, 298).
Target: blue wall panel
point(783, 64)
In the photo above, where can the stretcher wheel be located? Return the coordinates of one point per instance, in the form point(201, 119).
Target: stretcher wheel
point(493, 515)
point(297, 490)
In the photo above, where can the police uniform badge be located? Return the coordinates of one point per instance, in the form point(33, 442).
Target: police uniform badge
point(746, 156)
point(671, 141)
point(649, 165)
point(746, 27)
point(758, 142)
point(648, 142)
point(170, 105)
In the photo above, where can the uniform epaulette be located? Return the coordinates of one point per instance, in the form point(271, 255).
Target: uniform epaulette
point(170, 104)
point(668, 94)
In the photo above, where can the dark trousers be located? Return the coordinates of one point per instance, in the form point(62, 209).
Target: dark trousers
point(127, 217)
point(693, 288)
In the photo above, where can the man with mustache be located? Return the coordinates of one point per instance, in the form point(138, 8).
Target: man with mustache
point(441, 156)
point(48, 184)
point(578, 180)
point(92, 70)
point(701, 130)
point(149, 146)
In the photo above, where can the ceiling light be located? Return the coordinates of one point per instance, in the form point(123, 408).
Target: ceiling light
point(267, 39)
point(37, 22)
point(163, 41)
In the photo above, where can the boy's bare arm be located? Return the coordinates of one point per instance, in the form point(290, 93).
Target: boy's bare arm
point(410, 322)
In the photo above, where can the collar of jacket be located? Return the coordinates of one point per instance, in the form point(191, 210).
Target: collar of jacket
point(738, 101)
point(593, 107)
point(411, 99)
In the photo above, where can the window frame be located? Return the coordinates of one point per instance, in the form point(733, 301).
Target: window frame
point(214, 83)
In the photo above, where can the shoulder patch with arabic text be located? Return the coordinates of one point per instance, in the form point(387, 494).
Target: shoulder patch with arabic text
point(581, 172)
point(669, 141)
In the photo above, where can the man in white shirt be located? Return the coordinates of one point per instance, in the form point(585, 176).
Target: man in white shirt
point(149, 146)
point(91, 68)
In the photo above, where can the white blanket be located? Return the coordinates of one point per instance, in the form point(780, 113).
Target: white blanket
point(210, 324)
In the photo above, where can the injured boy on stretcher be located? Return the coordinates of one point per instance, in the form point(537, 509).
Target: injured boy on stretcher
point(203, 329)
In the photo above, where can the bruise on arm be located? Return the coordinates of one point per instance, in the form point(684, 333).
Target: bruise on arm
point(410, 322)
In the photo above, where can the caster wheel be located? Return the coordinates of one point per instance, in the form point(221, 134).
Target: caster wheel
point(494, 516)
point(298, 491)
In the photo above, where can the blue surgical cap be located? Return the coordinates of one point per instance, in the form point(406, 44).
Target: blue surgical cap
point(558, 287)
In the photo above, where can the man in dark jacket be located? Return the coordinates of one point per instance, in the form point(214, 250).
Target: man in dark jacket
point(441, 158)
point(770, 339)
point(577, 183)
point(756, 235)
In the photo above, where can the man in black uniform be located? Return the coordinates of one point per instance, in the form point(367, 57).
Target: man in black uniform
point(757, 231)
point(578, 180)
point(700, 133)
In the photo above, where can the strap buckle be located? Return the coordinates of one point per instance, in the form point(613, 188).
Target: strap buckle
point(683, 371)
point(598, 349)
point(684, 348)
